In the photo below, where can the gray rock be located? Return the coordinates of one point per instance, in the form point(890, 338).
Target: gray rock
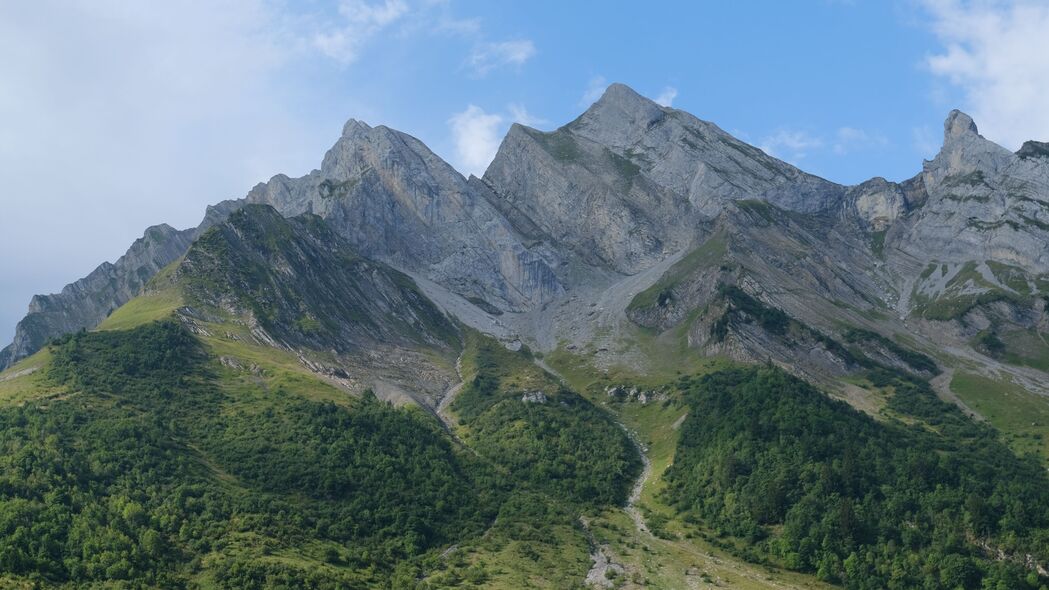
point(88, 301)
point(534, 397)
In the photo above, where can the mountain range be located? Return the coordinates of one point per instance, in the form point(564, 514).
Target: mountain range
point(567, 325)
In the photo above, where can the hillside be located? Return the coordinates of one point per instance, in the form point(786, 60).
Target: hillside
point(636, 353)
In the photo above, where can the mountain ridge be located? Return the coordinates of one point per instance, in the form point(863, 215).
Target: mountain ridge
point(516, 240)
point(635, 345)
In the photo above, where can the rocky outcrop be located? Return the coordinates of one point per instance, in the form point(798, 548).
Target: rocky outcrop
point(307, 287)
point(298, 286)
point(625, 184)
point(86, 302)
point(981, 202)
point(396, 201)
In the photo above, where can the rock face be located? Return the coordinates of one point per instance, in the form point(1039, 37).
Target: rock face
point(298, 286)
point(625, 183)
point(981, 202)
point(397, 202)
point(307, 287)
point(633, 213)
point(86, 302)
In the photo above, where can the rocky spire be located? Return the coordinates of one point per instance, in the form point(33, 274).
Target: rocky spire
point(958, 125)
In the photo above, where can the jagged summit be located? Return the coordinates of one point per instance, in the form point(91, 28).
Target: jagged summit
point(354, 127)
point(618, 117)
point(620, 189)
point(958, 124)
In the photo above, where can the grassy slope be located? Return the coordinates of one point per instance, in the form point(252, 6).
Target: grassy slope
point(261, 366)
point(709, 253)
point(1021, 415)
point(275, 379)
point(1026, 348)
point(537, 540)
point(25, 381)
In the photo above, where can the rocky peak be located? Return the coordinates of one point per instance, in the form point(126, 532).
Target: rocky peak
point(618, 118)
point(354, 128)
point(965, 152)
point(1034, 149)
point(878, 203)
point(958, 125)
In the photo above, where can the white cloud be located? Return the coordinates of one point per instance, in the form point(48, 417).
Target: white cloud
point(363, 21)
point(666, 98)
point(477, 134)
point(486, 57)
point(118, 115)
point(997, 52)
point(519, 114)
point(789, 144)
point(851, 139)
point(594, 89)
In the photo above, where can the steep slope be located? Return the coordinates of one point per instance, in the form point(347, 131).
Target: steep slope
point(777, 285)
point(84, 303)
point(385, 192)
point(625, 183)
point(295, 285)
point(397, 202)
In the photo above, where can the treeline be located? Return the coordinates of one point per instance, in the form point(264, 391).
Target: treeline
point(819, 487)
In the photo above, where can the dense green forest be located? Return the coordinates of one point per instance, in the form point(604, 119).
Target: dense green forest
point(149, 471)
point(564, 445)
point(816, 486)
point(145, 470)
point(150, 474)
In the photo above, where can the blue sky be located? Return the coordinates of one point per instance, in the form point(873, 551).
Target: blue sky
point(118, 115)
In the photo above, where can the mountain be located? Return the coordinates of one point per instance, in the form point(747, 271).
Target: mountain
point(626, 183)
point(633, 331)
point(230, 432)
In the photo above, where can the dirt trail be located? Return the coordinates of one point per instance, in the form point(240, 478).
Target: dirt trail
point(639, 485)
point(449, 396)
point(598, 576)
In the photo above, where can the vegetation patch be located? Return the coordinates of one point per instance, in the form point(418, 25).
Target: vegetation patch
point(562, 445)
point(152, 475)
point(1023, 416)
point(710, 253)
point(915, 360)
point(816, 486)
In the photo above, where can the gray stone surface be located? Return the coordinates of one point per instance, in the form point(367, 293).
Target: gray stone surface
point(567, 227)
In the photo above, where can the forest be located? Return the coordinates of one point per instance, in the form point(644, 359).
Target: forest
point(768, 461)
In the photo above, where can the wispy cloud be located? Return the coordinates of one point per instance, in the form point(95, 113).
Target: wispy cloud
point(666, 98)
point(852, 139)
point(519, 114)
point(791, 145)
point(926, 141)
point(486, 57)
point(795, 145)
point(997, 53)
point(362, 21)
point(594, 89)
point(477, 134)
